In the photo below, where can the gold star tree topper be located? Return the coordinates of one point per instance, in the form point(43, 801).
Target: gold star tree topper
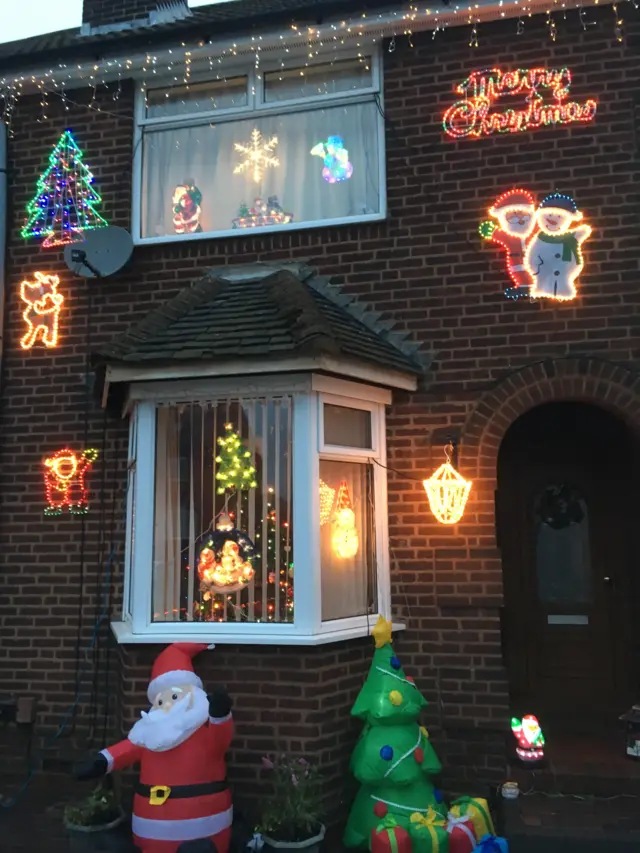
point(381, 633)
point(258, 155)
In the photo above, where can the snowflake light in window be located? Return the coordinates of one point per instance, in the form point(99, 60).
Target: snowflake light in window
point(258, 154)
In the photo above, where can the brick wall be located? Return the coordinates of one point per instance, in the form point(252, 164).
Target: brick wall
point(99, 12)
point(426, 268)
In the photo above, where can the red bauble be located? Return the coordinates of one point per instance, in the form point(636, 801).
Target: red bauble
point(418, 754)
point(380, 810)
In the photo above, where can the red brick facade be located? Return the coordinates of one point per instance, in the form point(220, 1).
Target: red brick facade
point(426, 268)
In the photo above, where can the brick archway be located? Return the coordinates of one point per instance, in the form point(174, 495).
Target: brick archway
point(587, 380)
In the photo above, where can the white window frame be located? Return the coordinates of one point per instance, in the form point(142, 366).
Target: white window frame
point(308, 393)
point(257, 107)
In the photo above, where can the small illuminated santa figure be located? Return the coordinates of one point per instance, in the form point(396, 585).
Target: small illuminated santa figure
point(187, 200)
point(515, 214)
point(530, 739)
point(182, 801)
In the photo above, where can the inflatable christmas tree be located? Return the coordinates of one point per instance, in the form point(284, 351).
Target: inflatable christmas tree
point(393, 759)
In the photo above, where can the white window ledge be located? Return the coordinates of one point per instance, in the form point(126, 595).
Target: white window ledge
point(124, 634)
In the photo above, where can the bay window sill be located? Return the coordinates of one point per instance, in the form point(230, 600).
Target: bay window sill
point(123, 632)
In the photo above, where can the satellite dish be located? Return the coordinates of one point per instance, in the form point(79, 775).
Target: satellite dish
point(100, 253)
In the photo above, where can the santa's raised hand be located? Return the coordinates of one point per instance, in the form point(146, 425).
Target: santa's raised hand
point(182, 801)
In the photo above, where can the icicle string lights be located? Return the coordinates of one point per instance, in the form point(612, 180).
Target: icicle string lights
point(447, 491)
point(64, 206)
point(484, 91)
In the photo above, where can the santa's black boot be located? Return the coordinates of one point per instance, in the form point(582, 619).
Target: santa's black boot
point(200, 845)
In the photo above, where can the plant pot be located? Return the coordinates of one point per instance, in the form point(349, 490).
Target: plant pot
point(106, 838)
point(309, 845)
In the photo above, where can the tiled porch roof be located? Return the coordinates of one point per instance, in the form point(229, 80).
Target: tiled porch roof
point(264, 312)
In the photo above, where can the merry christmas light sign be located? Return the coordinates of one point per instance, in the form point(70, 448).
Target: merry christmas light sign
point(497, 101)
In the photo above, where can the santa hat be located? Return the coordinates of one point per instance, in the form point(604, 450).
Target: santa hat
point(344, 498)
point(173, 667)
point(513, 198)
point(560, 201)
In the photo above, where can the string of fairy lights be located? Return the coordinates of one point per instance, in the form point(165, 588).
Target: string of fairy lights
point(177, 65)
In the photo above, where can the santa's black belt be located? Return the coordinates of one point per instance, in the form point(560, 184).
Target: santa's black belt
point(159, 794)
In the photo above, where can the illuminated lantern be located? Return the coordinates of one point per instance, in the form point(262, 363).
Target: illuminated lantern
point(344, 536)
point(43, 305)
point(224, 561)
point(530, 739)
point(447, 491)
point(64, 481)
point(327, 495)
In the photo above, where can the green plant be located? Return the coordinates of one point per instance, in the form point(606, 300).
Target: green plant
point(101, 807)
point(293, 810)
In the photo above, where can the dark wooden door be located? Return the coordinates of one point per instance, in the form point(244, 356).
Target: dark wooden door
point(565, 516)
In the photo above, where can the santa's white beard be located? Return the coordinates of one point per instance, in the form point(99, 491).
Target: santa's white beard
point(160, 730)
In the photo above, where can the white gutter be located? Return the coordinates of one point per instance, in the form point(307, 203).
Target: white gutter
point(329, 35)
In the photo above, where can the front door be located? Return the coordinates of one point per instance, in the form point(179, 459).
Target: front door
point(564, 529)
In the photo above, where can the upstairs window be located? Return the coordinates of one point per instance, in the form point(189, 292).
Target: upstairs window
point(287, 146)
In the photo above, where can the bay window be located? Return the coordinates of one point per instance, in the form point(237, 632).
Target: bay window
point(270, 148)
point(317, 515)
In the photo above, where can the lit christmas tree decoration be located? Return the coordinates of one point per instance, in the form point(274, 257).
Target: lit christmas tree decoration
point(344, 535)
point(64, 481)
point(337, 167)
point(64, 206)
point(258, 155)
point(236, 470)
point(43, 306)
point(447, 491)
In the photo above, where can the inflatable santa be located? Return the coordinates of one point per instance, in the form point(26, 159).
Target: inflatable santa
point(182, 803)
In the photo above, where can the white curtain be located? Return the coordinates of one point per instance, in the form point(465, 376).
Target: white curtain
point(206, 156)
point(348, 586)
point(167, 533)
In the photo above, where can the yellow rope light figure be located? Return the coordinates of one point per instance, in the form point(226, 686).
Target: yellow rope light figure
point(344, 536)
point(258, 155)
point(447, 491)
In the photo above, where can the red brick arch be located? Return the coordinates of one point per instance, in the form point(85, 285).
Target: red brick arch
point(583, 379)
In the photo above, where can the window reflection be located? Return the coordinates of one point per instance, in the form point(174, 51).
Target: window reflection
point(563, 560)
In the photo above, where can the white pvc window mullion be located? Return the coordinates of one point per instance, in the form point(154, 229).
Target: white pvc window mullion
point(144, 498)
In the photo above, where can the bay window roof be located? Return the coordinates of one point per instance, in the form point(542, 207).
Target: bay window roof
point(245, 319)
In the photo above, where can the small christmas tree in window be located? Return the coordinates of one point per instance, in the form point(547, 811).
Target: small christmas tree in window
point(65, 202)
point(235, 465)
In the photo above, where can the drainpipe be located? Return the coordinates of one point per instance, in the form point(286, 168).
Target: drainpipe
point(4, 227)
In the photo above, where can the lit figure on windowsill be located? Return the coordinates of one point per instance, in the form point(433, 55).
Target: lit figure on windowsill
point(182, 801)
point(515, 213)
point(262, 213)
point(530, 738)
point(187, 200)
point(337, 167)
point(554, 254)
point(224, 562)
point(344, 535)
